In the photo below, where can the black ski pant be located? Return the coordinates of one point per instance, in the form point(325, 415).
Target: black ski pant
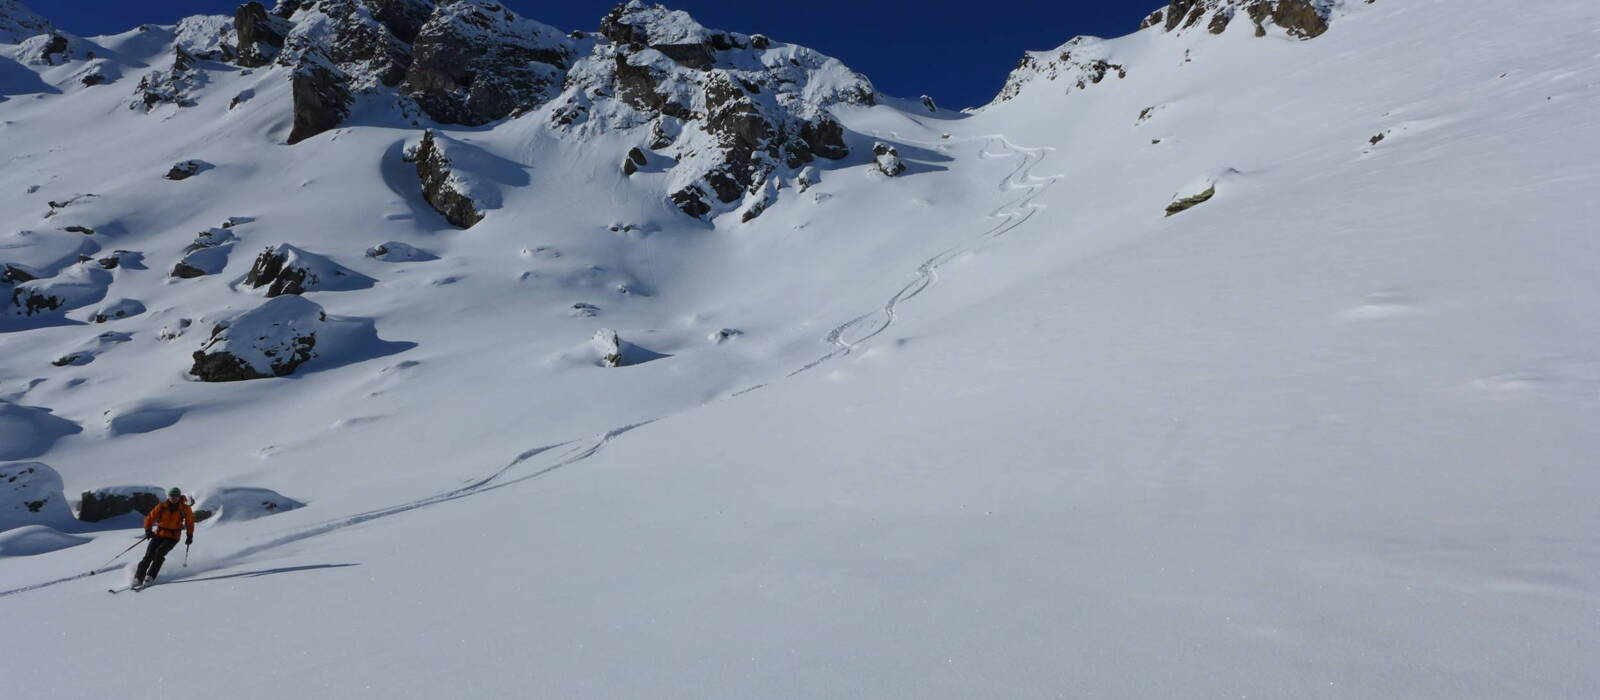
point(154, 555)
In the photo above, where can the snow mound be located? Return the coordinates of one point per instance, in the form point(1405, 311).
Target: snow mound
point(395, 251)
point(31, 494)
point(141, 418)
point(29, 540)
point(242, 503)
point(28, 431)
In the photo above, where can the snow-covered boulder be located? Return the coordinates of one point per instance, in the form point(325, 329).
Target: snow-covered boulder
point(140, 417)
point(31, 494)
point(207, 255)
point(395, 251)
point(887, 159)
point(119, 309)
point(29, 540)
point(172, 85)
point(609, 347)
point(76, 287)
point(453, 192)
point(242, 503)
point(112, 501)
point(270, 340)
point(101, 343)
point(1300, 19)
point(30, 431)
point(185, 169)
point(285, 269)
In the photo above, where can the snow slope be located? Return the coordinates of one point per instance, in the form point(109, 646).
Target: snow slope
point(996, 427)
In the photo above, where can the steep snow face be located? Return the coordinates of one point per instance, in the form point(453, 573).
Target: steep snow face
point(17, 22)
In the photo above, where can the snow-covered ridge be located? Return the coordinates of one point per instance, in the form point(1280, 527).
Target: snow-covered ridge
point(18, 22)
point(1084, 61)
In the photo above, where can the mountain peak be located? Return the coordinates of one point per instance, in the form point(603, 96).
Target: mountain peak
point(18, 22)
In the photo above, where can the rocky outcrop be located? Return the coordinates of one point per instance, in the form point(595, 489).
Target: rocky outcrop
point(321, 97)
point(887, 160)
point(113, 501)
point(260, 34)
point(271, 340)
point(634, 160)
point(183, 170)
point(241, 503)
point(609, 346)
point(474, 62)
point(285, 269)
point(1301, 19)
point(172, 86)
point(439, 186)
point(17, 22)
point(1078, 64)
point(1185, 203)
point(207, 255)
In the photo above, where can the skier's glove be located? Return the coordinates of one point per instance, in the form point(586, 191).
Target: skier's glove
point(149, 534)
point(188, 540)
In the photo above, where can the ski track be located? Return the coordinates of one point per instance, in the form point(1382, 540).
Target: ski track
point(1010, 216)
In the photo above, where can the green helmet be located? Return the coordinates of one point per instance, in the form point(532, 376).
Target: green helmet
point(174, 491)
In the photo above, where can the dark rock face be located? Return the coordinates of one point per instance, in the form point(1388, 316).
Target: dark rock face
point(261, 35)
point(474, 62)
point(183, 270)
point(272, 271)
point(321, 99)
point(403, 18)
point(30, 302)
point(16, 274)
point(1187, 203)
point(433, 168)
point(633, 162)
point(887, 159)
point(170, 86)
point(109, 503)
point(184, 170)
point(1302, 19)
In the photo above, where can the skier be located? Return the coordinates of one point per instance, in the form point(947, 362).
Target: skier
point(168, 518)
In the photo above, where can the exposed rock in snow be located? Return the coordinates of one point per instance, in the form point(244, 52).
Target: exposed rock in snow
point(609, 345)
point(1301, 19)
point(31, 494)
point(724, 335)
point(449, 193)
point(119, 309)
point(259, 33)
point(76, 287)
point(174, 330)
point(1079, 63)
point(101, 343)
point(476, 62)
point(30, 431)
point(46, 50)
point(241, 503)
point(29, 540)
point(130, 259)
point(634, 160)
point(321, 97)
point(887, 159)
point(286, 269)
point(185, 169)
point(929, 103)
point(395, 251)
point(173, 85)
point(17, 22)
point(1184, 203)
point(111, 501)
point(208, 37)
point(270, 340)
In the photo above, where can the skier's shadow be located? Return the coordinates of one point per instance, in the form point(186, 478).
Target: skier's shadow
point(263, 572)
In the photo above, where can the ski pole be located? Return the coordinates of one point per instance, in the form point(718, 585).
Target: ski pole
point(186, 555)
point(125, 551)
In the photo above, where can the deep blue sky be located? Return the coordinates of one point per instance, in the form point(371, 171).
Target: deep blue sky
point(958, 51)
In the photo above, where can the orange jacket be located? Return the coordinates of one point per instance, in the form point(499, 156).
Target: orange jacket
point(169, 519)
